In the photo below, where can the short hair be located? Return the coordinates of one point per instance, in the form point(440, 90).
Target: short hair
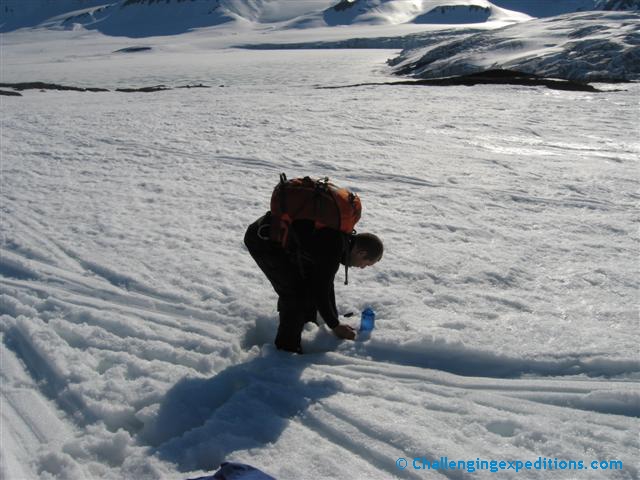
point(371, 244)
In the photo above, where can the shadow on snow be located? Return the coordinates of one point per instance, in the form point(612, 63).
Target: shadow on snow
point(201, 422)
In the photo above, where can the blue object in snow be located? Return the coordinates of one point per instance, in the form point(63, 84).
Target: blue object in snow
point(367, 320)
point(237, 471)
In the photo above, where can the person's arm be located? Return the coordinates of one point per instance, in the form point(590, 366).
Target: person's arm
point(325, 298)
point(325, 269)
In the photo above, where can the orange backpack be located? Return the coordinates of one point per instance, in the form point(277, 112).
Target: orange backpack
point(328, 205)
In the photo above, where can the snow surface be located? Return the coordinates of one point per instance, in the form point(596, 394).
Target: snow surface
point(136, 330)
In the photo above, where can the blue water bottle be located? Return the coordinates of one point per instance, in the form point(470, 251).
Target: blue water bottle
point(367, 320)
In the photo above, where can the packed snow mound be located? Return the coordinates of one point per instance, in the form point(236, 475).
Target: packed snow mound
point(585, 47)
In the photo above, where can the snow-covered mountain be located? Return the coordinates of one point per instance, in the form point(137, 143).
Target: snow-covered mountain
point(20, 13)
point(588, 46)
point(381, 12)
point(138, 18)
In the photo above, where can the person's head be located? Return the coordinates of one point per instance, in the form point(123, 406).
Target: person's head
point(367, 250)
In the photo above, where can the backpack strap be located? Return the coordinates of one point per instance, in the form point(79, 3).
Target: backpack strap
point(351, 240)
point(283, 201)
point(297, 250)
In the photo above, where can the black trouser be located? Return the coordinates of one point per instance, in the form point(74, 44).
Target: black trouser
point(295, 298)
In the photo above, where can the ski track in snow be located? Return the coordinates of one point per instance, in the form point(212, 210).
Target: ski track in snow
point(136, 331)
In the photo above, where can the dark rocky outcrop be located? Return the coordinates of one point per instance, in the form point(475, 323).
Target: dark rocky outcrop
point(48, 86)
point(42, 86)
point(133, 50)
point(492, 77)
point(156, 88)
point(344, 5)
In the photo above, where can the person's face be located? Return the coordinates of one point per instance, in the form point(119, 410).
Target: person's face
point(359, 259)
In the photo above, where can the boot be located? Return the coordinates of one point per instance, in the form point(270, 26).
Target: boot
point(289, 332)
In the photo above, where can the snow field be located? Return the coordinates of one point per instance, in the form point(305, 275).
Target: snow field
point(136, 329)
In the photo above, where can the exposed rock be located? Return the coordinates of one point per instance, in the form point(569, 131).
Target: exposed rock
point(156, 88)
point(52, 86)
point(133, 49)
point(196, 86)
point(48, 86)
point(492, 77)
point(344, 5)
point(9, 93)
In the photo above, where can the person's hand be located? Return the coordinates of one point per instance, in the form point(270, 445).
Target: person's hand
point(344, 331)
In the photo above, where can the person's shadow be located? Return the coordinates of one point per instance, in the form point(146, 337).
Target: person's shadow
point(201, 421)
